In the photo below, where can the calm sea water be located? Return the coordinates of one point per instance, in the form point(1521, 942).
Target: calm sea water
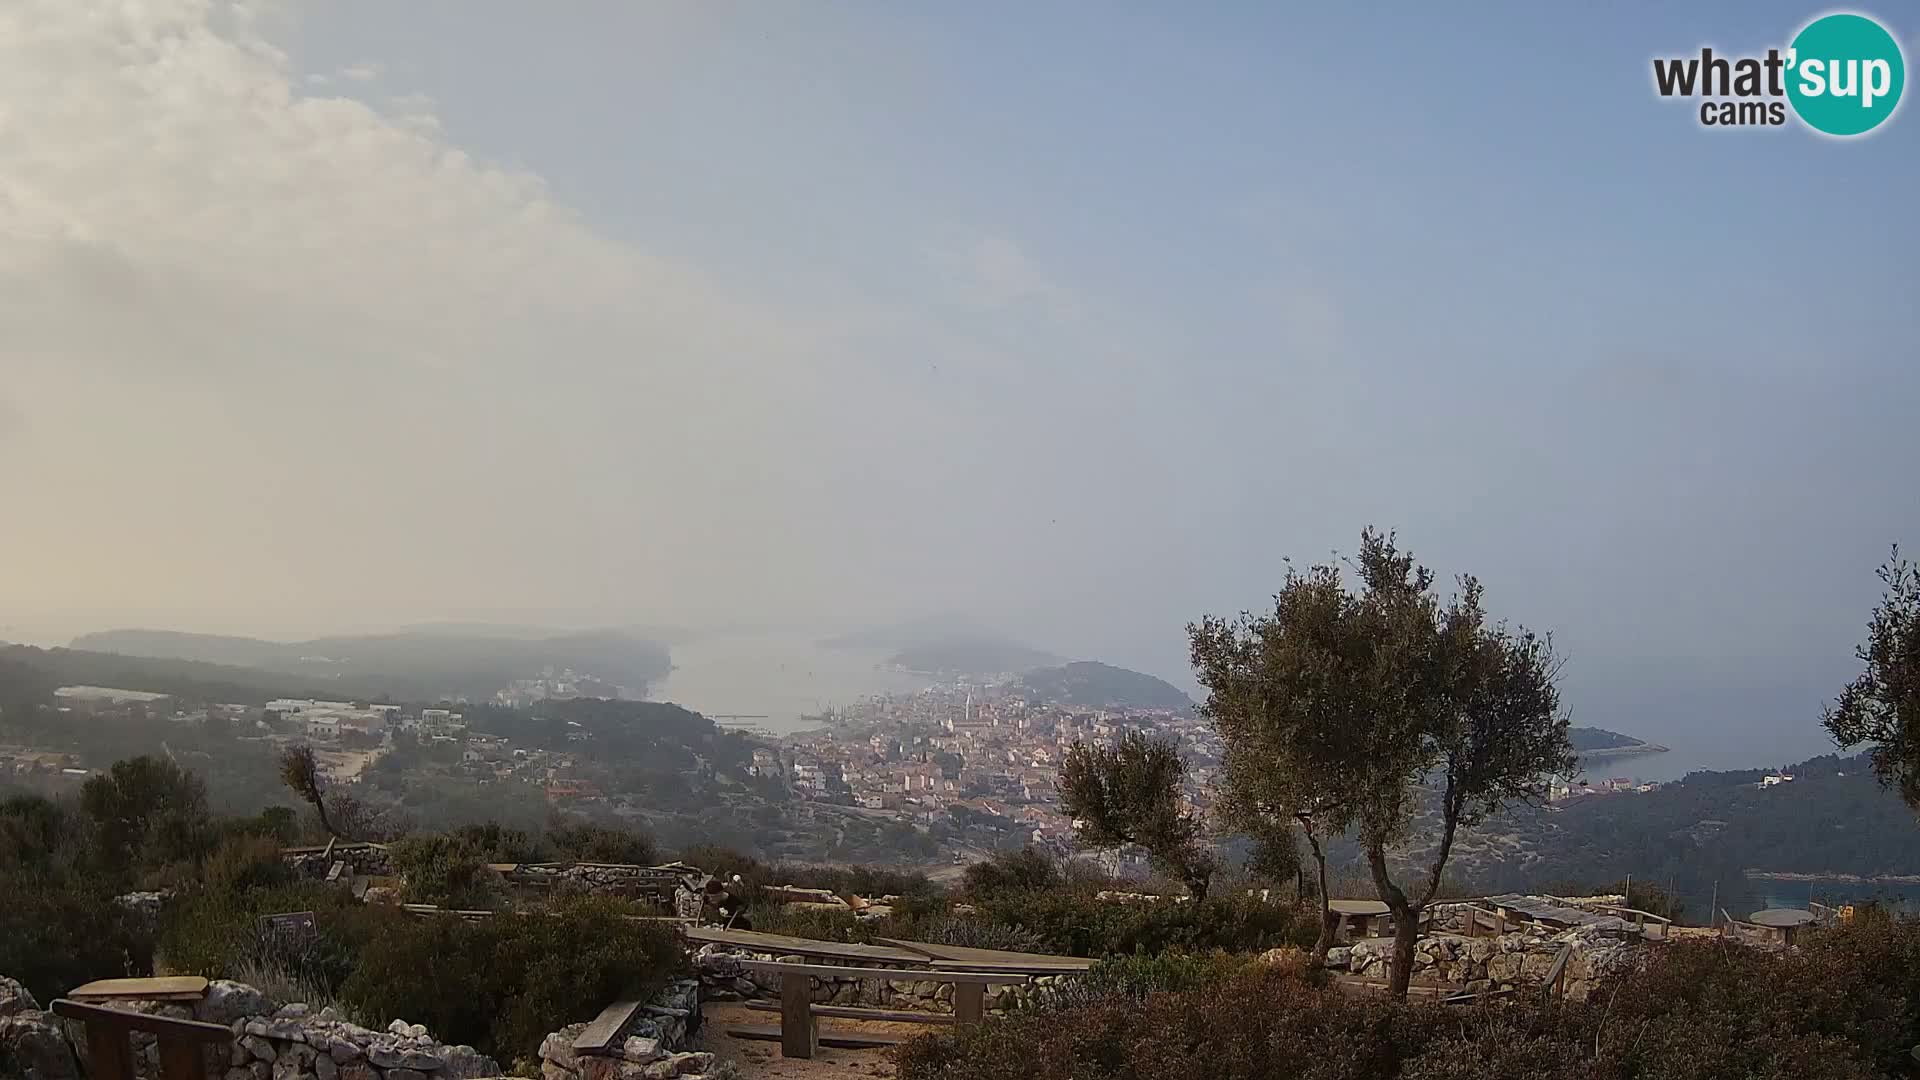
point(782, 677)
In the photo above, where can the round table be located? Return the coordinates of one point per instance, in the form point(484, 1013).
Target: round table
point(1784, 919)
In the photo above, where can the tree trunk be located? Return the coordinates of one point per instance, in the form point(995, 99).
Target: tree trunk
point(1328, 924)
point(1406, 921)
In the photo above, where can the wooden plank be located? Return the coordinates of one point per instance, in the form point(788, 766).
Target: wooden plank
point(123, 1021)
point(799, 1031)
point(112, 1057)
point(962, 959)
point(166, 987)
point(828, 971)
point(852, 1012)
point(607, 1029)
point(182, 1059)
point(782, 944)
point(839, 1040)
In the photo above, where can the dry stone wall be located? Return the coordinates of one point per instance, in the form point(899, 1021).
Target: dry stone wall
point(1517, 960)
point(723, 978)
point(296, 1042)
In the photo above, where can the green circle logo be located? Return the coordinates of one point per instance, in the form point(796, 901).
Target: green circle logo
point(1845, 74)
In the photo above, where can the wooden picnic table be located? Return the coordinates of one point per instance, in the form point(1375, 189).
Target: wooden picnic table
point(1357, 916)
point(784, 945)
point(180, 1041)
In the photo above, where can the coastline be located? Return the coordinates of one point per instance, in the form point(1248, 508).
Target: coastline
point(1844, 879)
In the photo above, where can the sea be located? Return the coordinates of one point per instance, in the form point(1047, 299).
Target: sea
point(773, 680)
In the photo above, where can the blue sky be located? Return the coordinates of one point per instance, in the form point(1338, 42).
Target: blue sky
point(1079, 317)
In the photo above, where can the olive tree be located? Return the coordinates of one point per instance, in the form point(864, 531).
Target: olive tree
point(1881, 707)
point(1129, 793)
point(1363, 709)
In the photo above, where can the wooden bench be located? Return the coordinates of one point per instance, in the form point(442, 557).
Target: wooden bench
point(163, 988)
point(799, 1031)
point(181, 1041)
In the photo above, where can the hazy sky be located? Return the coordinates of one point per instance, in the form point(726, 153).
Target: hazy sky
point(1076, 317)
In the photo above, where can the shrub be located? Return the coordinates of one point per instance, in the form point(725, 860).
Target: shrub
point(444, 869)
point(501, 984)
point(57, 932)
point(1835, 1010)
point(1027, 868)
point(584, 842)
point(1074, 922)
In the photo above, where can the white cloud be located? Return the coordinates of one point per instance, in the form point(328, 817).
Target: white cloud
point(236, 301)
point(363, 72)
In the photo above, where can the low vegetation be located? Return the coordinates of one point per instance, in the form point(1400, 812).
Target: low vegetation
point(1846, 1007)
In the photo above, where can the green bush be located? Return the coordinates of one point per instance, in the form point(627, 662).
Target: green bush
point(1026, 868)
point(219, 935)
point(602, 843)
point(57, 932)
point(446, 870)
point(503, 983)
point(1074, 922)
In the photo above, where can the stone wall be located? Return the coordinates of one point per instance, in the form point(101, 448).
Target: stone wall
point(296, 1042)
point(722, 978)
point(1518, 960)
point(652, 1047)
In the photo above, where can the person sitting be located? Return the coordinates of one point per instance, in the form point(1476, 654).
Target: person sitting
point(726, 904)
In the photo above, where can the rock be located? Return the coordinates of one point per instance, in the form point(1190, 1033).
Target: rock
point(400, 1027)
point(1535, 965)
point(558, 1047)
point(746, 987)
point(344, 1051)
point(1481, 950)
point(1505, 968)
point(36, 1044)
point(288, 1068)
point(418, 1031)
point(405, 1074)
point(239, 1072)
point(1340, 956)
point(296, 1011)
point(1479, 986)
point(15, 998)
point(261, 1070)
point(640, 1050)
point(421, 1061)
point(384, 1055)
point(258, 1046)
point(551, 1071)
point(326, 1068)
point(467, 1063)
point(228, 1001)
point(359, 1070)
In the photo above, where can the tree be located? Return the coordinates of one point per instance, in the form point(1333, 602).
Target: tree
point(147, 809)
point(301, 774)
point(1365, 708)
point(1882, 706)
point(1129, 793)
point(1270, 687)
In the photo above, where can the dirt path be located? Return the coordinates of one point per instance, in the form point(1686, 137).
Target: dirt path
point(762, 1060)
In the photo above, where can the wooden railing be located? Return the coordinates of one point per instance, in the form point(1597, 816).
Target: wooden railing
point(182, 1042)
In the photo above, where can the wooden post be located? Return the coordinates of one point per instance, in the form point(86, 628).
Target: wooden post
point(969, 1002)
point(799, 1035)
point(1499, 921)
point(1713, 906)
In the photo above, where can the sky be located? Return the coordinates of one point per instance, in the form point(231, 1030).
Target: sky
point(1076, 318)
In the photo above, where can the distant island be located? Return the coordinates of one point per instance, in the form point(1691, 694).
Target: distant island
point(420, 664)
point(947, 645)
point(1593, 742)
point(1091, 684)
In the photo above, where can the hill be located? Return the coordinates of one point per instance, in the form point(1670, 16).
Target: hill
point(1102, 686)
point(410, 665)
